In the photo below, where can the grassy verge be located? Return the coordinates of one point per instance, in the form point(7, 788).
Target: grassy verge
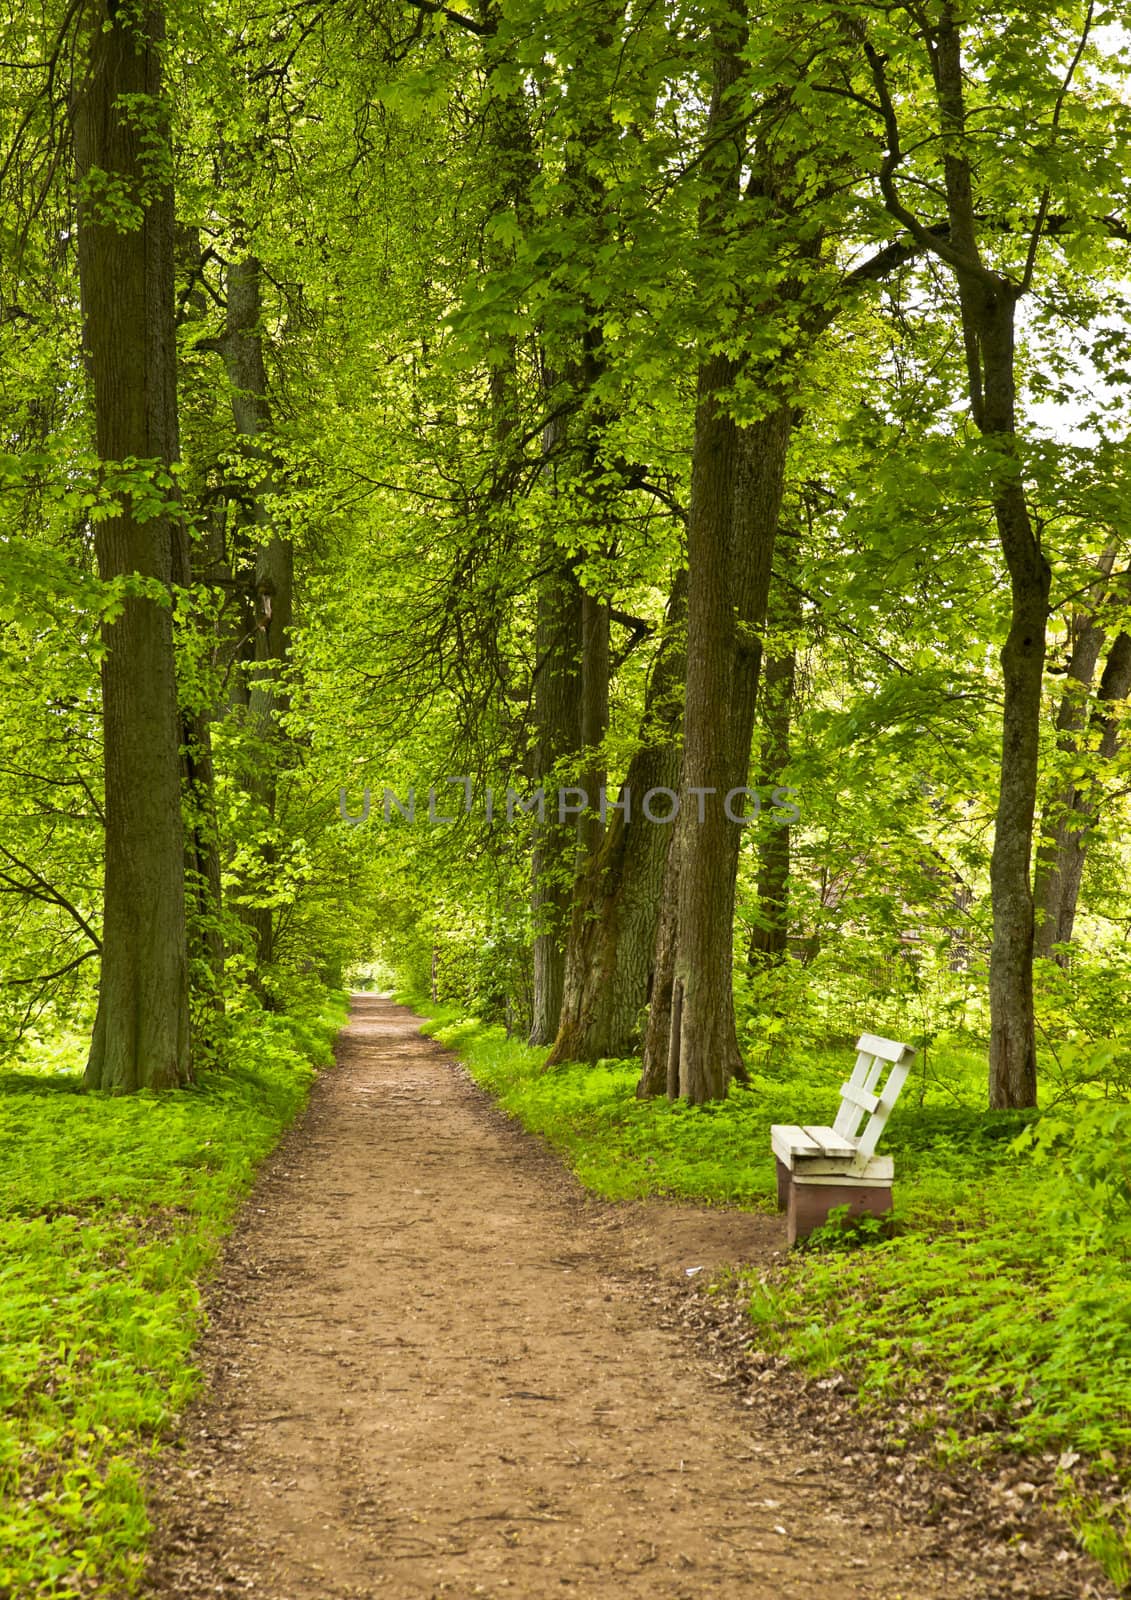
point(947, 1155)
point(111, 1213)
point(999, 1316)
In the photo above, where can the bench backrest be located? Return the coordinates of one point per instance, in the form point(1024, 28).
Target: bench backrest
point(865, 1095)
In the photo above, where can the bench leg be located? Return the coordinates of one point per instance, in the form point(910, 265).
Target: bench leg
point(783, 1183)
point(810, 1203)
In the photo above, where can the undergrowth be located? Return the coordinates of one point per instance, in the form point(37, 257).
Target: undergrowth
point(999, 1313)
point(112, 1211)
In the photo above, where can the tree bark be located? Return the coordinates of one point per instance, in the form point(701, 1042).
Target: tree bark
point(989, 306)
point(594, 723)
point(655, 1055)
point(1072, 810)
point(141, 1032)
point(1013, 1051)
point(557, 698)
point(615, 916)
point(203, 880)
point(730, 554)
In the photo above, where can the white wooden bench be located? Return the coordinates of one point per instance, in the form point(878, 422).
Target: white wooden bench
point(822, 1168)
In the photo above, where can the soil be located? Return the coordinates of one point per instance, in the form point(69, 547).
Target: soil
point(437, 1367)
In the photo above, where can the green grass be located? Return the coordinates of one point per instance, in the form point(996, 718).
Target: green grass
point(1000, 1313)
point(112, 1211)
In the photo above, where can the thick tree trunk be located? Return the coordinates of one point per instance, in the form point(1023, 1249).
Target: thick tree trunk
point(737, 482)
point(702, 862)
point(141, 1033)
point(594, 724)
point(707, 1047)
point(557, 699)
point(736, 486)
point(615, 918)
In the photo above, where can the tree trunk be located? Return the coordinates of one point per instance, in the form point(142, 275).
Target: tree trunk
point(203, 885)
point(273, 558)
point(557, 698)
point(1013, 1049)
point(989, 305)
point(1085, 801)
point(614, 927)
point(141, 1032)
point(1057, 848)
point(769, 938)
point(1071, 720)
point(736, 487)
point(203, 882)
point(594, 723)
point(737, 482)
point(658, 1031)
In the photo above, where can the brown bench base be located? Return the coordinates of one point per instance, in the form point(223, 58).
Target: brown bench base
point(808, 1203)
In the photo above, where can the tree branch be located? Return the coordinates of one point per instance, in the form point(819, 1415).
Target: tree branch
point(40, 889)
point(925, 236)
point(60, 972)
point(484, 30)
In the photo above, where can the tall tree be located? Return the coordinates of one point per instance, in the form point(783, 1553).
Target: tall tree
point(125, 248)
point(988, 296)
point(738, 476)
point(268, 553)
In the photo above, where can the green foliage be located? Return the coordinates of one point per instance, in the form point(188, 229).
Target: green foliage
point(1087, 1162)
point(841, 1231)
point(111, 1214)
point(1082, 1014)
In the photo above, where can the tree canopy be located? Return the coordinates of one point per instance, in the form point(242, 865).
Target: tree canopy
point(710, 419)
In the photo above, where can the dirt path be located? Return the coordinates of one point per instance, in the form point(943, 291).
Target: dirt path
point(437, 1368)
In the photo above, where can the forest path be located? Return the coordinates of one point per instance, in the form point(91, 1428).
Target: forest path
point(437, 1367)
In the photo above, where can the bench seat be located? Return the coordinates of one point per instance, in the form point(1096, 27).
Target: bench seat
point(822, 1153)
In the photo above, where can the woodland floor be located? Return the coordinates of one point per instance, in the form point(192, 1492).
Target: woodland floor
point(437, 1367)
